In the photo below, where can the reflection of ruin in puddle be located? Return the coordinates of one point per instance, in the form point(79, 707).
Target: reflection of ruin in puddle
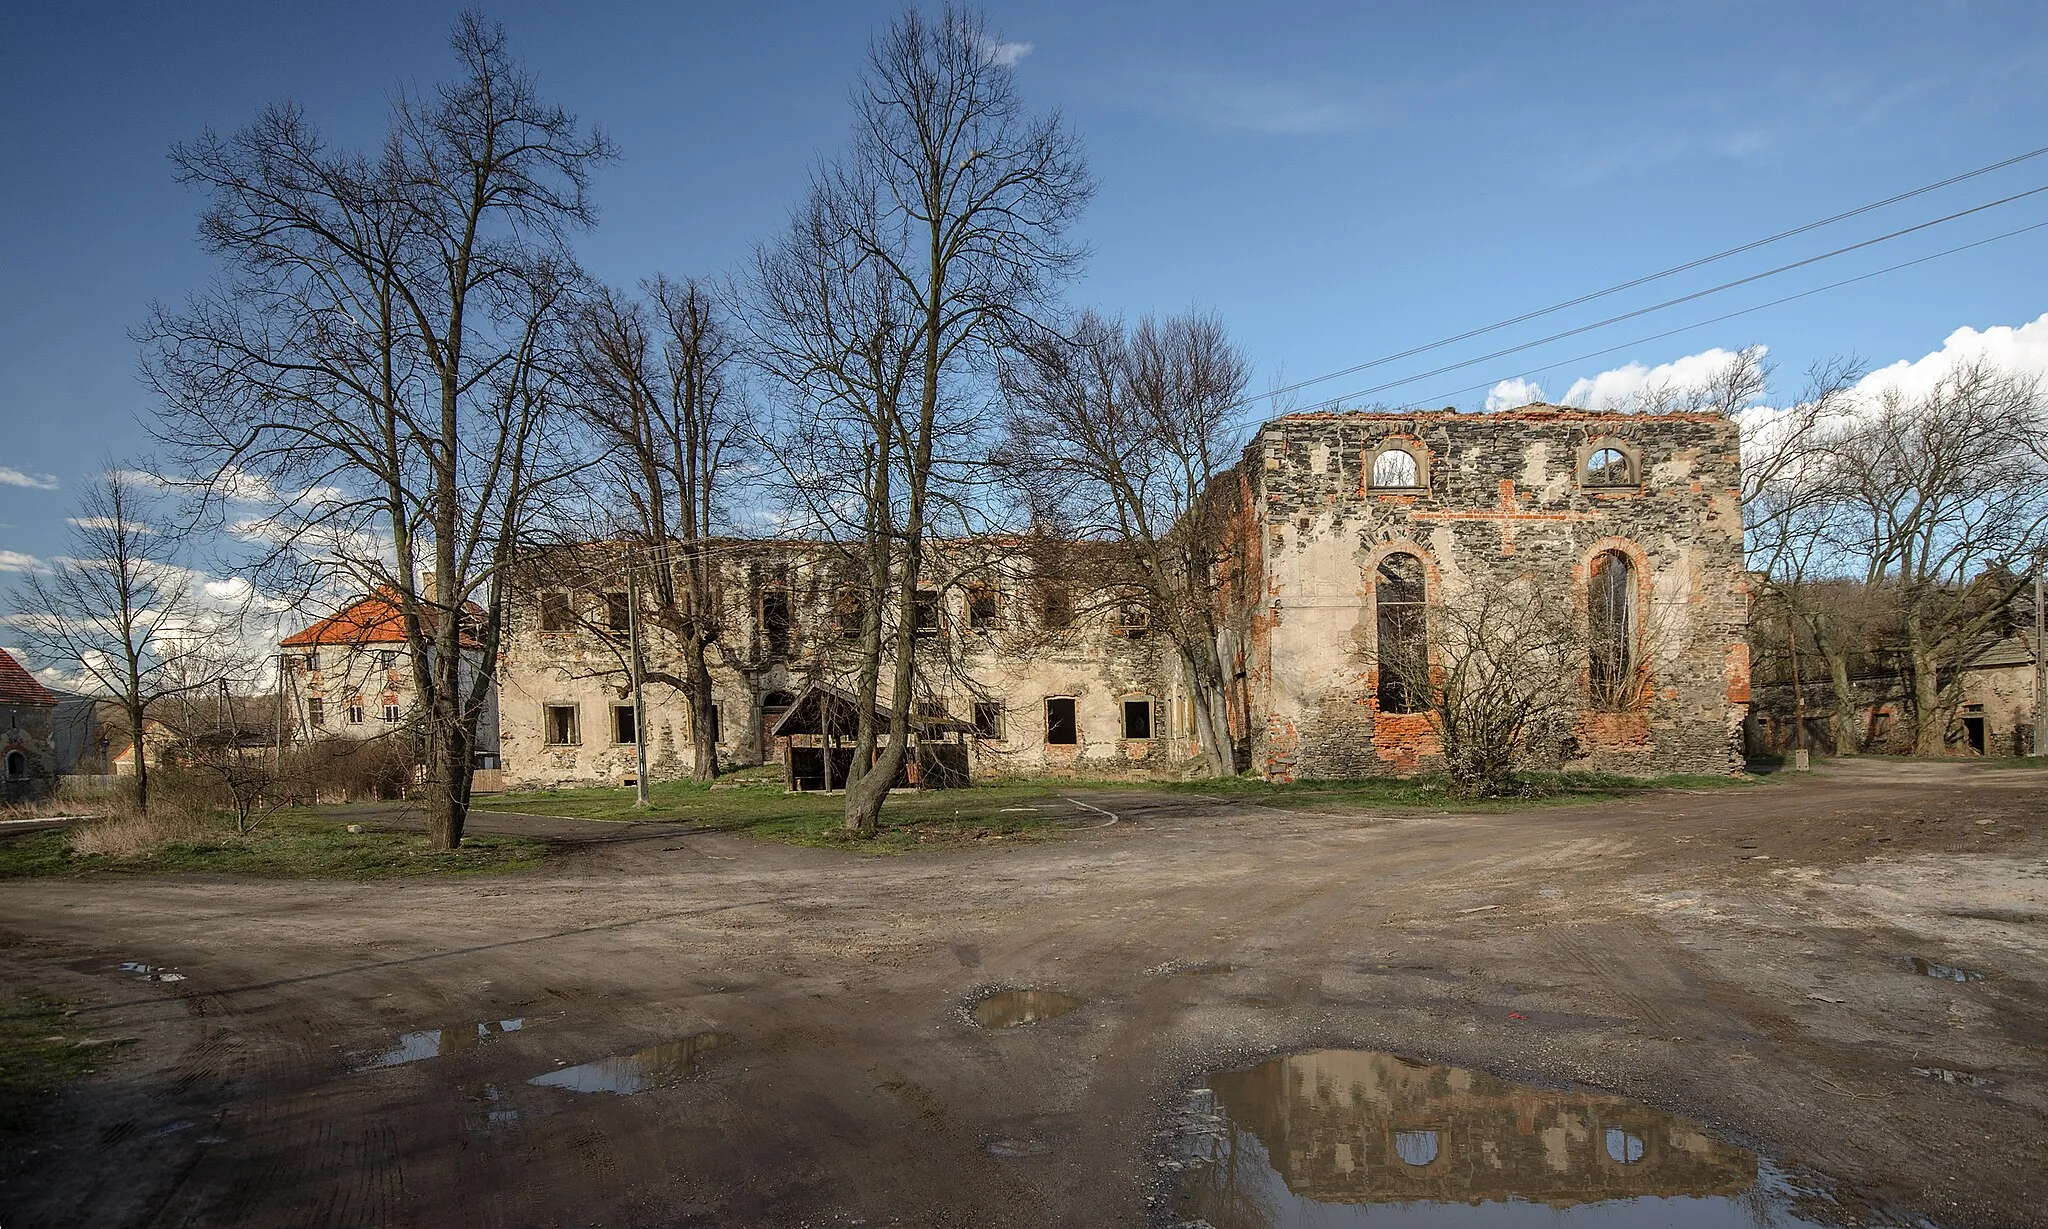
point(441, 1042)
point(1011, 1008)
point(150, 972)
point(639, 1071)
point(1944, 972)
point(1345, 1137)
point(493, 1114)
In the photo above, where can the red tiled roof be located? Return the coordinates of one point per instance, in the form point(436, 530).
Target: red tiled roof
point(18, 686)
point(376, 619)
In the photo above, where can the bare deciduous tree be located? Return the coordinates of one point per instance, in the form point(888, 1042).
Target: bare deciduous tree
point(1121, 436)
point(918, 255)
point(658, 397)
point(380, 357)
point(123, 611)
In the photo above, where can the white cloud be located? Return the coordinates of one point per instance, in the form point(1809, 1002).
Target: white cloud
point(1620, 387)
point(1006, 54)
point(15, 561)
point(1292, 108)
point(2022, 350)
point(35, 482)
point(109, 524)
point(1513, 394)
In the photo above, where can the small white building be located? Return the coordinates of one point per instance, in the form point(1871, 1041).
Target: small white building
point(350, 676)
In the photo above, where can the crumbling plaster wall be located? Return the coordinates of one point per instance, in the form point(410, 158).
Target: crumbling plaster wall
point(1500, 498)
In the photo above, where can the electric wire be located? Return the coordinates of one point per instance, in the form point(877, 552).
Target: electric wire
point(1647, 278)
point(1686, 298)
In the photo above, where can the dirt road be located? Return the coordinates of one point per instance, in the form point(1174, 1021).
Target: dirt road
point(1737, 956)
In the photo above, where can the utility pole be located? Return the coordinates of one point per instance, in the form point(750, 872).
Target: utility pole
point(639, 668)
point(2040, 666)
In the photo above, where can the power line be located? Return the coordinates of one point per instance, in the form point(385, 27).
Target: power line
point(1686, 298)
point(1647, 278)
point(1700, 324)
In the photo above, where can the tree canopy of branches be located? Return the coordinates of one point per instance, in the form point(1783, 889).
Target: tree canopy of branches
point(918, 255)
point(656, 394)
point(1120, 435)
point(381, 357)
point(123, 612)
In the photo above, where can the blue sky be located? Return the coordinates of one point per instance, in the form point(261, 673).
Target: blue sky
point(1338, 181)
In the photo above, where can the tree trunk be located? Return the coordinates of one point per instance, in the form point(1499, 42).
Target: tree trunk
point(136, 719)
point(1930, 724)
point(1848, 738)
point(703, 738)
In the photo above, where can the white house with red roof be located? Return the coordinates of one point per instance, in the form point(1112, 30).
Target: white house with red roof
point(350, 676)
point(28, 751)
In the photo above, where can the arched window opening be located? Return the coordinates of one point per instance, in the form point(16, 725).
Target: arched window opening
point(17, 766)
point(1395, 468)
point(1624, 1148)
point(1403, 634)
point(1611, 629)
point(1417, 1148)
point(1609, 467)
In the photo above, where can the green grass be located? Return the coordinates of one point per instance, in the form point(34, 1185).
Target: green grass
point(912, 820)
point(753, 802)
point(41, 1050)
point(292, 844)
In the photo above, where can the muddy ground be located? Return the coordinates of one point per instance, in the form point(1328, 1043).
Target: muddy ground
point(1737, 956)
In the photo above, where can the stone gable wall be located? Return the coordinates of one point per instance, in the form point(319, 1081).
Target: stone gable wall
point(1503, 499)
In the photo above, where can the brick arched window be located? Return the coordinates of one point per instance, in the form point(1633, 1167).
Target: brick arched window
point(1403, 633)
point(1612, 632)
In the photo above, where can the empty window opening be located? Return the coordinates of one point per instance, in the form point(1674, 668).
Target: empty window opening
point(925, 614)
point(625, 727)
point(1609, 467)
point(1402, 622)
point(559, 725)
point(390, 712)
point(1137, 718)
point(1395, 467)
point(1611, 633)
point(1061, 729)
point(851, 610)
point(313, 660)
point(316, 711)
point(355, 712)
point(17, 766)
point(387, 659)
point(988, 719)
point(981, 609)
point(555, 615)
point(1056, 609)
point(776, 622)
point(618, 613)
point(1417, 1148)
point(1133, 619)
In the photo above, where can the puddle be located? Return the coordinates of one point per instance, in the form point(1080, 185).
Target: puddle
point(1349, 1137)
point(1945, 972)
point(1948, 1075)
point(492, 1114)
point(150, 972)
point(1013, 1008)
point(441, 1042)
point(637, 1072)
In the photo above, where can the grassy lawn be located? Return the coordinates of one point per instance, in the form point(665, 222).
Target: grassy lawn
point(753, 802)
point(292, 844)
point(41, 1050)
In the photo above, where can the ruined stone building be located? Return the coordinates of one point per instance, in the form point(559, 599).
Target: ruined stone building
point(1051, 679)
point(1369, 523)
point(1356, 529)
point(27, 747)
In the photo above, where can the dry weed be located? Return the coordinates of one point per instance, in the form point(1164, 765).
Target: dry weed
point(124, 832)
